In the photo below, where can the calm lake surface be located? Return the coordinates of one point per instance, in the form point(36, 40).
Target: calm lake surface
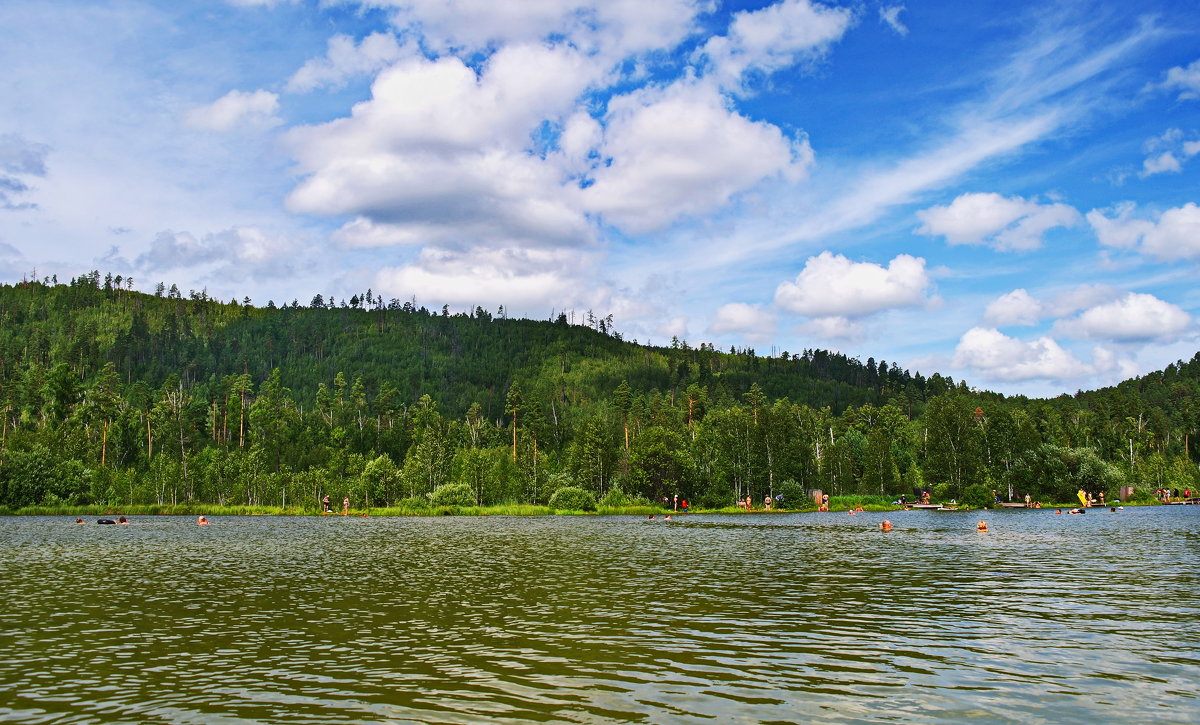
point(715, 619)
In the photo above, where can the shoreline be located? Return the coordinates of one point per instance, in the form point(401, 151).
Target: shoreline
point(197, 509)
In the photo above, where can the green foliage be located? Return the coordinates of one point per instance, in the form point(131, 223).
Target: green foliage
point(572, 498)
point(794, 495)
point(452, 494)
point(113, 397)
point(615, 498)
point(1142, 494)
point(39, 475)
point(381, 481)
point(977, 495)
point(1052, 473)
point(659, 465)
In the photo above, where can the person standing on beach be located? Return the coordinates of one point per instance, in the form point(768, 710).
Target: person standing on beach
point(346, 506)
point(325, 505)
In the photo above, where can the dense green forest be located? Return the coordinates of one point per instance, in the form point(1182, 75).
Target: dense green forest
point(115, 397)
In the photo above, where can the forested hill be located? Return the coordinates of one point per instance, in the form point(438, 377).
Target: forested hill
point(399, 351)
point(114, 397)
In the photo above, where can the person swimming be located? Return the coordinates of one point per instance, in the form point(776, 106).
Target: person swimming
point(202, 521)
point(124, 521)
point(885, 526)
point(650, 517)
point(78, 520)
point(981, 526)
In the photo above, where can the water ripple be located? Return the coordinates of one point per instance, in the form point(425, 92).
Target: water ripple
point(727, 619)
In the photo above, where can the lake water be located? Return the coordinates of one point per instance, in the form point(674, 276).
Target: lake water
point(714, 619)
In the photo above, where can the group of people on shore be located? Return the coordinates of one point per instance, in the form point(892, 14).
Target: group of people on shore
point(326, 506)
point(768, 503)
point(675, 503)
point(1168, 495)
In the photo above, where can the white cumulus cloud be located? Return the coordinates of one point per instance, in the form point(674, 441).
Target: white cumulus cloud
point(775, 37)
point(1168, 153)
point(1175, 235)
point(1185, 79)
point(344, 60)
point(1015, 308)
point(1081, 297)
point(235, 109)
point(830, 285)
point(1161, 163)
point(1004, 223)
point(990, 352)
point(1135, 317)
point(680, 151)
point(512, 276)
point(610, 28)
point(439, 153)
point(834, 328)
point(752, 321)
point(237, 253)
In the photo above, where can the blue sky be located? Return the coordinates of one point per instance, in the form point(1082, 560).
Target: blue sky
point(1004, 192)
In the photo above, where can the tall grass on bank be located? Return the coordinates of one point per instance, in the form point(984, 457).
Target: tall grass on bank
point(631, 509)
point(185, 509)
point(868, 503)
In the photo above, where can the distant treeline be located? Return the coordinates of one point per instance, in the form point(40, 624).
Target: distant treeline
point(112, 396)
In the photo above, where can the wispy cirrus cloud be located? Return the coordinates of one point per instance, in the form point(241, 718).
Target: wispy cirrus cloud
point(890, 15)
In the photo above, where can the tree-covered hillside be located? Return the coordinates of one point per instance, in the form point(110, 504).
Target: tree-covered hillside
point(113, 396)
